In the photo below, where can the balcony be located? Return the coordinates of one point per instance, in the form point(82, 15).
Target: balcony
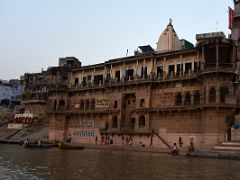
point(137, 80)
point(222, 67)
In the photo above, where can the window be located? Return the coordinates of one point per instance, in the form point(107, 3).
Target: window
point(197, 98)
point(144, 72)
point(141, 102)
point(115, 105)
point(128, 75)
point(187, 101)
point(76, 81)
point(86, 104)
point(93, 104)
point(223, 94)
point(179, 99)
point(81, 104)
point(212, 95)
point(98, 79)
point(171, 69)
point(114, 122)
point(117, 76)
point(129, 102)
point(84, 83)
point(142, 121)
point(179, 69)
point(188, 67)
point(61, 105)
point(160, 71)
point(89, 78)
point(197, 66)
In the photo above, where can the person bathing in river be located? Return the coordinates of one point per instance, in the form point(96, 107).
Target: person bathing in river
point(174, 150)
point(26, 141)
point(39, 143)
point(191, 147)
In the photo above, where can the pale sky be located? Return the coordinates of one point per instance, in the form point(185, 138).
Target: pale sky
point(35, 33)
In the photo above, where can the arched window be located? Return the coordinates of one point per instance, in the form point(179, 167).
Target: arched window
point(114, 122)
point(61, 105)
point(179, 99)
point(197, 98)
point(187, 101)
point(142, 121)
point(223, 93)
point(212, 95)
point(55, 105)
point(86, 104)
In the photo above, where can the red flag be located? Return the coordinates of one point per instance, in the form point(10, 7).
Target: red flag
point(230, 18)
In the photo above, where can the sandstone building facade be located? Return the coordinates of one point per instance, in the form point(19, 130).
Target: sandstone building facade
point(153, 97)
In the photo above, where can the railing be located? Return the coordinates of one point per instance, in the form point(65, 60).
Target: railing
point(221, 66)
point(148, 78)
point(137, 79)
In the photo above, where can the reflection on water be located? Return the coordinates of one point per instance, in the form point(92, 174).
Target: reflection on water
point(19, 163)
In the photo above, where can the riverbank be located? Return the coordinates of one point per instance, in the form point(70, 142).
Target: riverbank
point(113, 147)
point(39, 132)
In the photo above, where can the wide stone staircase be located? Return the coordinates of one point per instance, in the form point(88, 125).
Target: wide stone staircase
point(228, 146)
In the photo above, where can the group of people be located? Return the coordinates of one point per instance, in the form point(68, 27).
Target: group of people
point(127, 141)
point(175, 149)
point(104, 140)
point(39, 143)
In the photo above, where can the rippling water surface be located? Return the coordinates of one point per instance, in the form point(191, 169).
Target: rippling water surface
point(19, 163)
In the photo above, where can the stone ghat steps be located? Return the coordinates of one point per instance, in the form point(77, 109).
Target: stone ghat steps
point(228, 146)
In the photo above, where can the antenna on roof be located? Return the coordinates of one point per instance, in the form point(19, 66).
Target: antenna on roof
point(127, 53)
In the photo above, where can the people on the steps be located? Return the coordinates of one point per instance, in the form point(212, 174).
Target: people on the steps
point(191, 147)
point(180, 142)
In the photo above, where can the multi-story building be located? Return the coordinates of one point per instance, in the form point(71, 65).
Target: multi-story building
point(37, 85)
point(153, 96)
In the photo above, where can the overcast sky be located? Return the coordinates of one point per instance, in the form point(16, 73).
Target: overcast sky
point(35, 33)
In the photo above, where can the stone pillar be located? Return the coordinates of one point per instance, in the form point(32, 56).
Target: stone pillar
point(207, 94)
point(203, 59)
point(217, 93)
point(183, 98)
point(192, 98)
point(181, 66)
point(137, 122)
point(165, 68)
point(217, 55)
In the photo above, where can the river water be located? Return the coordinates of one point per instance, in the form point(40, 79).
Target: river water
point(19, 163)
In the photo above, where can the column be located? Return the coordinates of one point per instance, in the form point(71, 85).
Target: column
point(217, 55)
point(203, 59)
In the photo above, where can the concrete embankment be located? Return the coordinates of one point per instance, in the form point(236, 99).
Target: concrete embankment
point(113, 147)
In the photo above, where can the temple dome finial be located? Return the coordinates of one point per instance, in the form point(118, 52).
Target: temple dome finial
point(168, 41)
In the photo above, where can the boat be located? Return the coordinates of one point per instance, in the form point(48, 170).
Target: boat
point(66, 146)
point(34, 145)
